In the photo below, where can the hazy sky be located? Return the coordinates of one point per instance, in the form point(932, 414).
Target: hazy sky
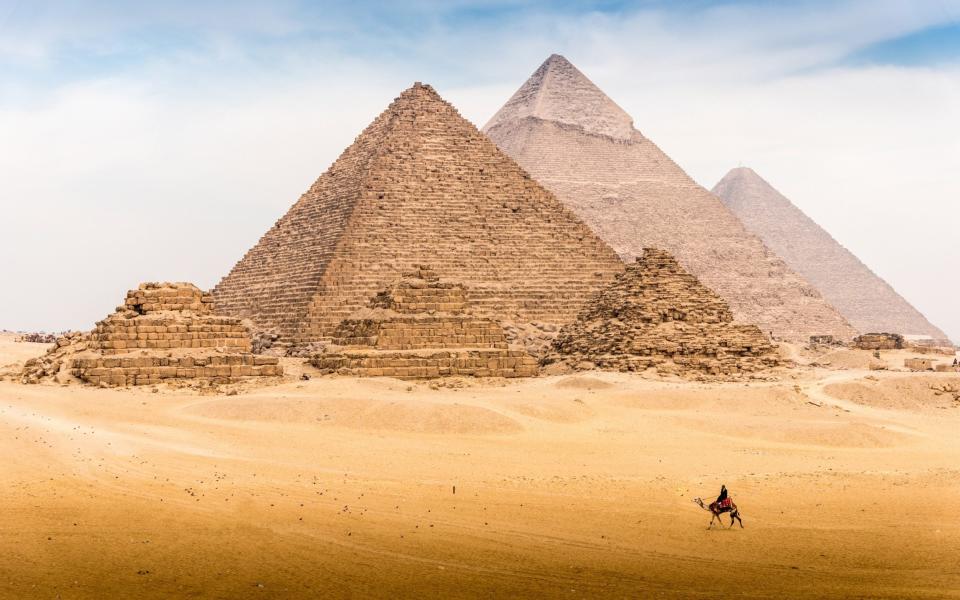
point(158, 141)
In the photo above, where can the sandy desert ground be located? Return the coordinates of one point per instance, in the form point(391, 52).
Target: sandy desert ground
point(565, 486)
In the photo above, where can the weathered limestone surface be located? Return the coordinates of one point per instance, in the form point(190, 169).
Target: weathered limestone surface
point(419, 185)
point(658, 315)
point(163, 332)
point(581, 146)
point(868, 302)
point(422, 328)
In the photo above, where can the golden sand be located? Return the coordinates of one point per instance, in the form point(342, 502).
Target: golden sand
point(569, 486)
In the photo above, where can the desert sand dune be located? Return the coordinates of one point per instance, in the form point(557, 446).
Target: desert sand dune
point(569, 486)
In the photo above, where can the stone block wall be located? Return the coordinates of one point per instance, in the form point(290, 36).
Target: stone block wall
point(918, 364)
point(878, 341)
point(148, 370)
point(118, 333)
point(410, 333)
point(430, 364)
point(161, 297)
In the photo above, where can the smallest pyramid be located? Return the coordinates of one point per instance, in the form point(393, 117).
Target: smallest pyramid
point(867, 301)
point(422, 328)
point(164, 332)
point(658, 315)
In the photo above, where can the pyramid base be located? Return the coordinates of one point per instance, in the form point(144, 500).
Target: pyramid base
point(685, 366)
point(428, 364)
point(151, 370)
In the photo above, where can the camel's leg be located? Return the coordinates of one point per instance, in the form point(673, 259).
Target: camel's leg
point(736, 516)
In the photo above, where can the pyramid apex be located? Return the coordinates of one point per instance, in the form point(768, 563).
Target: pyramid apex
point(559, 92)
point(419, 86)
point(418, 92)
point(743, 171)
point(737, 176)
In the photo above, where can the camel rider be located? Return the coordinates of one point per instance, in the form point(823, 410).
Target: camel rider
point(722, 496)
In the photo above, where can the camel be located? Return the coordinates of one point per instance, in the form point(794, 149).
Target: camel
point(716, 512)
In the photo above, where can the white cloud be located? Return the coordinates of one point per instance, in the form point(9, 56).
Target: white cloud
point(172, 167)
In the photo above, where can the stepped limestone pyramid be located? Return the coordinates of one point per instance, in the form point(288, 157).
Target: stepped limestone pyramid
point(422, 328)
point(580, 145)
point(420, 185)
point(867, 301)
point(163, 333)
point(657, 315)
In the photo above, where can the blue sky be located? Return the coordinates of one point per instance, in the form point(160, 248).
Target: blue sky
point(49, 43)
point(206, 120)
point(928, 46)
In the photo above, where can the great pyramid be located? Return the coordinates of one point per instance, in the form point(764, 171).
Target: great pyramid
point(867, 301)
point(582, 146)
point(420, 185)
point(657, 315)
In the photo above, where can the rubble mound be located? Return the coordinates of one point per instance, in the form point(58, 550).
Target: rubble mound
point(163, 332)
point(422, 328)
point(51, 363)
point(37, 338)
point(657, 315)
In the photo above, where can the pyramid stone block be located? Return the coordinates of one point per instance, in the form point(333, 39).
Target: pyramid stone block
point(867, 301)
point(657, 315)
point(581, 146)
point(419, 185)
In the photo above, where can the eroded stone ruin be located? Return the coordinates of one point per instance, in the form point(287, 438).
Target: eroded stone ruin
point(657, 315)
point(164, 332)
point(421, 328)
point(879, 341)
point(581, 146)
point(419, 185)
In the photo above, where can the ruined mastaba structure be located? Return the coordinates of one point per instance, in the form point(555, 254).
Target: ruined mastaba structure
point(419, 185)
point(867, 301)
point(164, 332)
point(657, 315)
point(422, 328)
point(583, 147)
point(878, 341)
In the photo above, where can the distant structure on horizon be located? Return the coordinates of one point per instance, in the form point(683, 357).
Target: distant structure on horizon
point(583, 147)
point(420, 185)
point(867, 301)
